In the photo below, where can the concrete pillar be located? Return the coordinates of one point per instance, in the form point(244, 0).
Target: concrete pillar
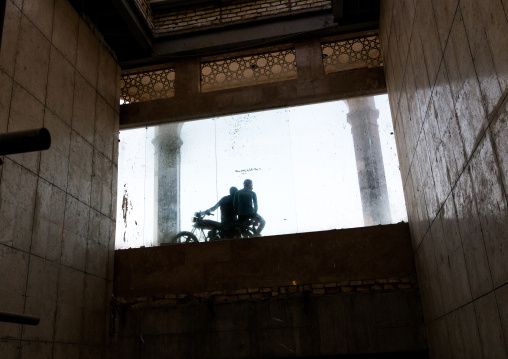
point(167, 145)
point(309, 60)
point(363, 117)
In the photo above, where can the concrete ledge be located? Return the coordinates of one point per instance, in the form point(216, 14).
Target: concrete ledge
point(356, 254)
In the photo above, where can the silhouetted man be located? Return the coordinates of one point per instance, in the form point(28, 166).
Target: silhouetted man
point(246, 205)
point(227, 211)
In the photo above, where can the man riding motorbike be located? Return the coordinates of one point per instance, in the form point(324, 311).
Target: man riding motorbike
point(228, 213)
point(245, 203)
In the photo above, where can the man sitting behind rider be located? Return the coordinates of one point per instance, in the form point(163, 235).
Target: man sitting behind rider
point(246, 205)
point(227, 211)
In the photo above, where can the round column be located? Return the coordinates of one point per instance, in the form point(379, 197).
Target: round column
point(363, 117)
point(167, 143)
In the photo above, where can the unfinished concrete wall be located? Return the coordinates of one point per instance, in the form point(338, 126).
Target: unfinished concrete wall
point(57, 207)
point(300, 295)
point(287, 326)
point(446, 64)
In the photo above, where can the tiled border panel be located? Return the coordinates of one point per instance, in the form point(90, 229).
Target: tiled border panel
point(248, 70)
point(146, 86)
point(352, 54)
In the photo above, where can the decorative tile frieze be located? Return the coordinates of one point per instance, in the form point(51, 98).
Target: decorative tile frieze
point(146, 86)
point(352, 54)
point(248, 70)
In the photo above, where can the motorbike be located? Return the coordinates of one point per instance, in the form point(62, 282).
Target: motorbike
point(206, 230)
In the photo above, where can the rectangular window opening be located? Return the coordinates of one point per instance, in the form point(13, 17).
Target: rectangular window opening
point(314, 168)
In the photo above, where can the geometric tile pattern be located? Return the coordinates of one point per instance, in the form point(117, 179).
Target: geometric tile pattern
point(352, 54)
point(248, 70)
point(146, 86)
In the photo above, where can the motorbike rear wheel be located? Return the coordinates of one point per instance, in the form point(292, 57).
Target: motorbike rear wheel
point(247, 232)
point(185, 237)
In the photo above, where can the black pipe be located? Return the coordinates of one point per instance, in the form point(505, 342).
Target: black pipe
point(18, 318)
point(2, 16)
point(24, 141)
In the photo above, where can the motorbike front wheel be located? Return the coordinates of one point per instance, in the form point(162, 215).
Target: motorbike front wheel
point(185, 237)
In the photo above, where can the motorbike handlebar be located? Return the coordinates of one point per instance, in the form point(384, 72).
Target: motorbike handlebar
point(203, 213)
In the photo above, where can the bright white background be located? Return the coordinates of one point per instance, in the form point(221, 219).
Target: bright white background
point(300, 159)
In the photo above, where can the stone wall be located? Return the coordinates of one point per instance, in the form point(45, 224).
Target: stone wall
point(446, 66)
point(57, 207)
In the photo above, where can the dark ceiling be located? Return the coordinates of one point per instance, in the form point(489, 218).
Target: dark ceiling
point(174, 4)
point(126, 32)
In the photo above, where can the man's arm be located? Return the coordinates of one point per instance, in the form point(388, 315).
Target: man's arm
point(213, 208)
